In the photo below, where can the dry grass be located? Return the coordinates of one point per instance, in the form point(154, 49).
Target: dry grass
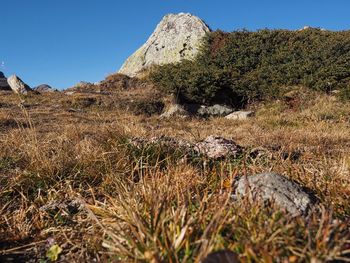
point(70, 178)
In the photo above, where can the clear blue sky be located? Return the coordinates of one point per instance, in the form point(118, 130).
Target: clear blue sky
point(61, 42)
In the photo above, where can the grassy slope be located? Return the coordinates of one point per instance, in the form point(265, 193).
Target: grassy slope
point(137, 207)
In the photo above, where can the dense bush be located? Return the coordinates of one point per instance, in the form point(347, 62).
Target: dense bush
point(258, 65)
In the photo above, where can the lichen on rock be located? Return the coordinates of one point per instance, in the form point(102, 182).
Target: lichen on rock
point(177, 37)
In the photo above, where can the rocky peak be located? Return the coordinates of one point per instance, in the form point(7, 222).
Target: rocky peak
point(17, 85)
point(176, 37)
point(3, 82)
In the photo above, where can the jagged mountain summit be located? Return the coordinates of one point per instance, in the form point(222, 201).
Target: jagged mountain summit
point(176, 37)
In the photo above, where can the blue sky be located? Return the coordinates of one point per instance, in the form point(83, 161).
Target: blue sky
point(62, 42)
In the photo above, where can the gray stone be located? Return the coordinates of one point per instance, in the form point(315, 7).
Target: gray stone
point(175, 110)
point(17, 85)
point(286, 194)
point(240, 115)
point(177, 37)
point(44, 88)
point(3, 82)
point(217, 147)
point(214, 111)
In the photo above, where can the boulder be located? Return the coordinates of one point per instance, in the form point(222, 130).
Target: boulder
point(17, 85)
point(177, 37)
point(3, 82)
point(274, 187)
point(240, 115)
point(175, 110)
point(44, 88)
point(217, 148)
point(214, 111)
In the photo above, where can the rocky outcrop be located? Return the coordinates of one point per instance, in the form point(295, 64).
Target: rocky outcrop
point(17, 85)
point(276, 188)
point(44, 88)
point(3, 82)
point(177, 37)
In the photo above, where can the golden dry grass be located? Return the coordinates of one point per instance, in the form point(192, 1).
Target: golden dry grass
point(69, 177)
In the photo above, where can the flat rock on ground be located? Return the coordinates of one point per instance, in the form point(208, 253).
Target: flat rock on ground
point(215, 110)
point(240, 115)
point(212, 147)
point(274, 187)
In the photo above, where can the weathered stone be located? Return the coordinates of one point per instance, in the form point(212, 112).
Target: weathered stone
point(214, 111)
point(240, 115)
point(212, 147)
point(44, 88)
point(218, 147)
point(175, 110)
point(17, 85)
point(177, 37)
point(3, 82)
point(286, 194)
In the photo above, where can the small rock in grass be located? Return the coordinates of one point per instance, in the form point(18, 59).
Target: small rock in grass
point(240, 115)
point(217, 147)
point(274, 187)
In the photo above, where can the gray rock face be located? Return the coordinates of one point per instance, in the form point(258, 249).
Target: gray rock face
point(44, 88)
point(176, 37)
point(175, 110)
point(3, 82)
point(214, 111)
point(240, 115)
point(274, 187)
point(17, 85)
point(217, 147)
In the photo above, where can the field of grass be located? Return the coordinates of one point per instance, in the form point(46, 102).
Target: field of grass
point(73, 188)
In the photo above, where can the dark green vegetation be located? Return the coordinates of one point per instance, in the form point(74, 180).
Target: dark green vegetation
point(243, 66)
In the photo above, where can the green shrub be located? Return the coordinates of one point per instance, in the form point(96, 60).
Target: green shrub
point(252, 66)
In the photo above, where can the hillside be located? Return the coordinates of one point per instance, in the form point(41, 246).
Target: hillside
point(98, 176)
point(237, 154)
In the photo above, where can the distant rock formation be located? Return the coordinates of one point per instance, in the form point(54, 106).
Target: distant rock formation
point(176, 37)
point(44, 88)
point(17, 85)
point(3, 82)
